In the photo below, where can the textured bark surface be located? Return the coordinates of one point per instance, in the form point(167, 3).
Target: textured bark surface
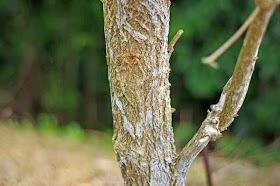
point(136, 35)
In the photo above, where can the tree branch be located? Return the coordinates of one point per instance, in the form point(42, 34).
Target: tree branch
point(211, 60)
point(174, 40)
point(223, 113)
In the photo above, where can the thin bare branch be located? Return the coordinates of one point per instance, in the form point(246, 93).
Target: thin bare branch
point(174, 41)
point(223, 113)
point(211, 60)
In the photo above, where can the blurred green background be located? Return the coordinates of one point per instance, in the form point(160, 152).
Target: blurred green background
point(53, 71)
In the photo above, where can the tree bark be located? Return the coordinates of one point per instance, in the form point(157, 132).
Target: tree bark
point(136, 35)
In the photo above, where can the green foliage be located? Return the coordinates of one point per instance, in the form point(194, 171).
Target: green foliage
point(58, 96)
point(207, 26)
point(47, 123)
point(249, 148)
point(267, 156)
point(228, 144)
point(26, 125)
point(74, 131)
point(107, 137)
point(184, 132)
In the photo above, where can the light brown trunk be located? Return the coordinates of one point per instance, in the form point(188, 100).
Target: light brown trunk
point(136, 35)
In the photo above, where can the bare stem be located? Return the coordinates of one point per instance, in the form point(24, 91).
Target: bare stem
point(211, 60)
point(223, 113)
point(174, 41)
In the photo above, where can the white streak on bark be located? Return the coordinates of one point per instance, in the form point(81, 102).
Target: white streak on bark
point(234, 98)
point(210, 130)
point(128, 127)
point(159, 71)
point(126, 124)
point(203, 140)
point(123, 2)
point(240, 89)
point(138, 130)
point(111, 53)
point(122, 161)
point(149, 119)
point(159, 176)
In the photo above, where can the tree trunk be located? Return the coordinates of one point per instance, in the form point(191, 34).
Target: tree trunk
point(136, 35)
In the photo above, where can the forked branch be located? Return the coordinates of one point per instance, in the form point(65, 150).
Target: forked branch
point(223, 113)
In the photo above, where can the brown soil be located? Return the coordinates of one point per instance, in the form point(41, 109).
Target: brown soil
point(29, 158)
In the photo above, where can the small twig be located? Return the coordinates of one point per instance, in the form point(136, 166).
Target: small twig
point(174, 40)
point(211, 60)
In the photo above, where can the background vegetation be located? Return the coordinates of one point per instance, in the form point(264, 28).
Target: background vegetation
point(53, 70)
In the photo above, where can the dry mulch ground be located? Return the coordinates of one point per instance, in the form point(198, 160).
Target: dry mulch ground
point(28, 158)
